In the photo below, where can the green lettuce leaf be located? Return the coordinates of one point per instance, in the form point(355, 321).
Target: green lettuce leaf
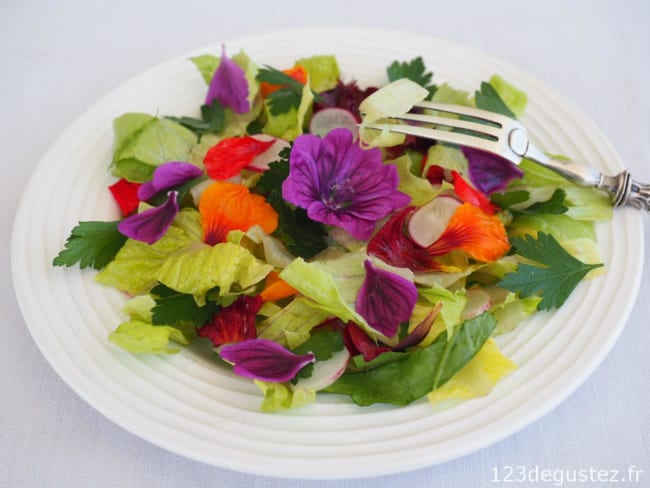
point(283, 396)
point(288, 125)
point(141, 337)
point(419, 189)
point(323, 71)
point(515, 99)
point(138, 149)
point(420, 371)
point(453, 304)
point(291, 325)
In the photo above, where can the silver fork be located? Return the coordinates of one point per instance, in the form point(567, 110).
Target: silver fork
point(507, 138)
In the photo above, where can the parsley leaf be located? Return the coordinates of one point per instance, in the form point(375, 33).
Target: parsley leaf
point(288, 96)
point(91, 244)
point(555, 279)
point(172, 307)
point(322, 344)
point(414, 70)
point(488, 99)
point(302, 236)
point(212, 120)
point(554, 205)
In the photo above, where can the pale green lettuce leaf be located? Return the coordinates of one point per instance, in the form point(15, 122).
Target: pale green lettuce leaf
point(514, 98)
point(323, 71)
point(291, 325)
point(201, 267)
point(141, 337)
point(447, 94)
point(139, 308)
point(138, 149)
point(453, 304)
point(284, 396)
point(477, 377)
point(446, 156)
point(419, 189)
point(207, 64)
point(509, 309)
point(289, 125)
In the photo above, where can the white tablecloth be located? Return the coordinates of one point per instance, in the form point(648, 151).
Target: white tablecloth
point(57, 57)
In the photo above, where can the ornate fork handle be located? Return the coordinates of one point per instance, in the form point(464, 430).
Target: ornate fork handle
point(625, 191)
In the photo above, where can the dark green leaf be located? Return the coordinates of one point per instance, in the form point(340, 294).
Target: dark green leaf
point(420, 371)
point(212, 120)
point(283, 100)
point(322, 343)
point(414, 70)
point(488, 99)
point(508, 199)
point(276, 77)
point(91, 244)
point(173, 307)
point(554, 205)
point(302, 236)
point(556, 277)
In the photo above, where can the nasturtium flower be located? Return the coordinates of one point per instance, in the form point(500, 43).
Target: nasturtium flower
point(166, 176)
point(341, 184)
point(149, 226)
point(488, 172)
point(385, 299)
point(228, 206)
point(472, 195)
point(229, 86)
point(264, 360)
point(234, 323)
point(230, 156)
point(125, 194)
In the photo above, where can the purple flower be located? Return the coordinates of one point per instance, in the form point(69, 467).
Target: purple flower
point(488, 172)
point(340, 184)
point(229, 86)
point(265, 360)
point(152, 224)
point(167, 176)
point(385, 299)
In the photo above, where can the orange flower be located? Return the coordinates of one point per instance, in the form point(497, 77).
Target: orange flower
point(276, 288)
point(298, 73)
point(227, 206)
point(480, 235)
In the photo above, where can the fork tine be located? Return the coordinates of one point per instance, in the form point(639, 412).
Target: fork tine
point(445, 136)
point(475, 113)
point(488, 130)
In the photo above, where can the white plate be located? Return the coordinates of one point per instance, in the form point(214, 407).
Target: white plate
point(187, 405)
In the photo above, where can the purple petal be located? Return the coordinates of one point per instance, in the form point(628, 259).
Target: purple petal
point(152, 224)
point(265, 360)
point(229, 86)
point(341, 184)
point(488, 172)
point(385, 299)
point(167, 176)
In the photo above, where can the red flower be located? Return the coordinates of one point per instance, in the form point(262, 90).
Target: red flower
point(228, 157)
point(234, 323)
point(125, 194)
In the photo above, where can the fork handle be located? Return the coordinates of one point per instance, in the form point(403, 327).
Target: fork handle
point(622, 189)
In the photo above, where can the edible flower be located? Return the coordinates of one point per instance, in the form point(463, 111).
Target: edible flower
point(341, 184)
point(227, 206)
point(229, 156)
point(490, 173)
point(152, 224)
point(471, 195)
point(470, 229)
point(385, 299)
point(298, 73)
point(125, 194)
point(229, 86)
point(167, 176)
point(264, 360)
point(234, 323)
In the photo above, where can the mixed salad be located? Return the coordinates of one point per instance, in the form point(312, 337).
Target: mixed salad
point(317, 255)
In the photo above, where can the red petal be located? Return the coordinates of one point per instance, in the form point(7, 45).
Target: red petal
point(471, 195)
point(125, 194)
point(227, 158)
point(235, 323)
point(363, 343)
point(393, 246)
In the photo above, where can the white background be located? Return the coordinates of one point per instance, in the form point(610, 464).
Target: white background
point(58, 57)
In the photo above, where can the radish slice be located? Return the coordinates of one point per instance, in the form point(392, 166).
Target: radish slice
point(429, 222)
point(326, 372)
point(327, 119)
point(260, 163)
point(478, 301)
